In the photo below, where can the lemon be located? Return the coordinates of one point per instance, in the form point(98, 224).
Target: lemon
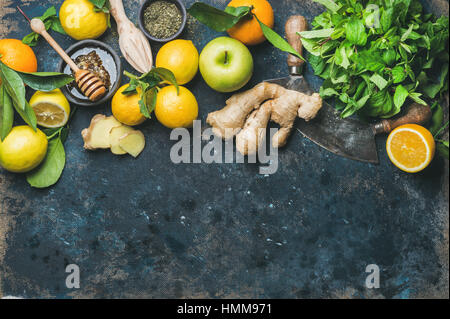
point(180, 57)
point(23, 149)
point(174, 110)
point(51, 108)
point(80, 21)
point(125, 108)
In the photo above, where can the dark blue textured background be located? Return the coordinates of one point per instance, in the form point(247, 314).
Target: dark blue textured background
point(150, 228)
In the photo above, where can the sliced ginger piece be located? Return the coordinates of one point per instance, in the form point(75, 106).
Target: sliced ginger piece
point(114, 136)
point(97, 134)
point(133, 143)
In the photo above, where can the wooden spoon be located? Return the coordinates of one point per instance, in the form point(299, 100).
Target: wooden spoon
point(91, 85)
point(133, 43)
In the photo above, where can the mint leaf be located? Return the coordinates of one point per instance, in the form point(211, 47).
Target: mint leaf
point(329, 4)
point(322, 33)
point(355, 32)
point(400, 96)
point(379, 81)
point(398, 74)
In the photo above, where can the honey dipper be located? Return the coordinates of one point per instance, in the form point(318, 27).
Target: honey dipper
point(90, 84)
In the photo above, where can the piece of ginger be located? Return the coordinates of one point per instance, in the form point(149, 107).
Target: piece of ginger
point(96, 136)
point(247, 116)
point(133, 143)
point(114, 137)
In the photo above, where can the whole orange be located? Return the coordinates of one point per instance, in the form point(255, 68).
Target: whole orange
point(248, 30)
point(17, 55)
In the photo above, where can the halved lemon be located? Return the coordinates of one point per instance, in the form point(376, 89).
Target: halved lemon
point(411, 147)
point(51, 108)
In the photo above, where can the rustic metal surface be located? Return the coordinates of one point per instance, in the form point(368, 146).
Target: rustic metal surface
point(150, 228)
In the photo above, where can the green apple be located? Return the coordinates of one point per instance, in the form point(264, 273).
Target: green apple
point(226, 64)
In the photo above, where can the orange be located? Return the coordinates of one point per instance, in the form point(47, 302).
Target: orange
point(17, 55)
point(248, 31)
point(125, 108)
point(410, 147)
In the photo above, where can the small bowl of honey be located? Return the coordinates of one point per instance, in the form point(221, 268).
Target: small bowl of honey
point(98, 58)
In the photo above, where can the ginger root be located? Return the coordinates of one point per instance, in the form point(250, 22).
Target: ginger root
point(133, 143)
point(114, 137)
point(247, 114)
point(97, 134)
point(106, 132)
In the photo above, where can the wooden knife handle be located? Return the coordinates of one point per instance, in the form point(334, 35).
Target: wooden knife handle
point(414, 114)
point(293, 25)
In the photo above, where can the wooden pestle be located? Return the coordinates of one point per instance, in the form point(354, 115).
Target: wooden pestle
point(91, 85)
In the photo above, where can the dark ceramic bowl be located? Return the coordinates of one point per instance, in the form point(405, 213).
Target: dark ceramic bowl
point(180, 6)
point(111, 62)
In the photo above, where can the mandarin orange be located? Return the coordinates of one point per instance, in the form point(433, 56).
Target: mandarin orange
point(248, 30)
point(17, 55)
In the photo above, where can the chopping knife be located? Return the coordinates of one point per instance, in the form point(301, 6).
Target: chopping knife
point(347, 137)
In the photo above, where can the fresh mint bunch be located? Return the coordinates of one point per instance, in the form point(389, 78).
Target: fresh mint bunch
point(375, 54)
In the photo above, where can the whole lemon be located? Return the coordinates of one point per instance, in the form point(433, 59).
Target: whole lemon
point(176, 110)
point(125, 108)
point(80, 21)
point(23, 149)
point(180, 57)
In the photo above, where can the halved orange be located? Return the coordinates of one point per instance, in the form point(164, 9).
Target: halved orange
point(411, 147)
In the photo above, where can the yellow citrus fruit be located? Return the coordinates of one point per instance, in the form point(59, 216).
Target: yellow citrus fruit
point(180, 57)
point(17, 55)
point(51, 108)
point(125, 108)
point(23, 149)
point(80, 21)
point(174, 110)
point(410, 147)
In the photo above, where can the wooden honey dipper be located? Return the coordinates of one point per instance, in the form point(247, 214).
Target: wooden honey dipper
point(90, 84)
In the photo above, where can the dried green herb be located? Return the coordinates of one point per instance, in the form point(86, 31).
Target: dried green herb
point(162, 19)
